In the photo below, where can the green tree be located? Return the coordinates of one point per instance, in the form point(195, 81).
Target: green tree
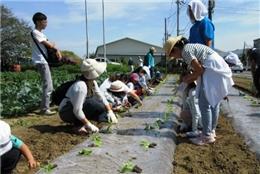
point(15, 39)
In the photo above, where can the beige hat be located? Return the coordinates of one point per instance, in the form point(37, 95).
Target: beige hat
point(117, 86)
point(91, 69)
point(169, 44)
point(153, 49)
point(5, 138)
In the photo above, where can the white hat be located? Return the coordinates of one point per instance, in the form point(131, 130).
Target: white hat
point(5, 137)
point(91, 69)
point(169, 44)
point(117, 86)
point(147, 70)
point(198, 9)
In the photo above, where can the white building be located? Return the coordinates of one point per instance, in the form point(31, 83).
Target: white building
point(128, 47)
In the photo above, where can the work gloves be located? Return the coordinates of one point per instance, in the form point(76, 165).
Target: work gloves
point(111, 117)
point(91, 127)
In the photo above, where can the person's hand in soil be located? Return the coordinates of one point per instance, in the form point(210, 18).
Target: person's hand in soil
point(32, 163)
point(91, 127)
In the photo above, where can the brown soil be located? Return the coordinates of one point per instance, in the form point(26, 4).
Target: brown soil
point(49, 137)
point(229, 154)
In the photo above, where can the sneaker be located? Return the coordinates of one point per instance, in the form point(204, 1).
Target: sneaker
point(193, 134)
point(47, 112)
point(213, 133)
point(202, 140)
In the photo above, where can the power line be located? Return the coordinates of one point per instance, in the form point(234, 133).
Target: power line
point(235, 8)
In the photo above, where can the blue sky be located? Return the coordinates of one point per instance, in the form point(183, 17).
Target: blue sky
point(235, 21)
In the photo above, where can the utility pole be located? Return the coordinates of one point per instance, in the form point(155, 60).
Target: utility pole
point(178, 14)
point(86, 15)
point(165, 30)
point(211, 6)
point(103, 22)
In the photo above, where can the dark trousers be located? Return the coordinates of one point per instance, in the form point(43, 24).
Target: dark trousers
point(152, 72)
point(92, 108)
point(9, 160)
point(256, 79)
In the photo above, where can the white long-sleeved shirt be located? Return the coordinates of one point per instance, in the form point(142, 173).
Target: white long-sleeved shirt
point(77, 94)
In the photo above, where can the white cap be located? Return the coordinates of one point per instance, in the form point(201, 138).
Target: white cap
point(5, 138)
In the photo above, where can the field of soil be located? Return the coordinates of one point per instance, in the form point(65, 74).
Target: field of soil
point(229, 154)
point(49, 137)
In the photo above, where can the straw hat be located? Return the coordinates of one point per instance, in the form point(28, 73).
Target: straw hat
point(117, 86)
point(169, 44)
point(5, 138)
point(91, 69)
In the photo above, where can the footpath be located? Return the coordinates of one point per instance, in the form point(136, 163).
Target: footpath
point(245, 113)
point(154, 122)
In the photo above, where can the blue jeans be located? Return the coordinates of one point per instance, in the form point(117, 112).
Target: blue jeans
point(209, 114)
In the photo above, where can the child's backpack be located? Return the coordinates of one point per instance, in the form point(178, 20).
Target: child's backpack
point(59, 93)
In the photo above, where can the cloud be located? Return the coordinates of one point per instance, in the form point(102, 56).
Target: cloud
point(236, 18)
point(234, 40)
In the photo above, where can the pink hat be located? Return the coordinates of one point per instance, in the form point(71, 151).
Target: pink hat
point(134, 77)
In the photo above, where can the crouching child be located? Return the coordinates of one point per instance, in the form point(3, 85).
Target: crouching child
point(11, 149)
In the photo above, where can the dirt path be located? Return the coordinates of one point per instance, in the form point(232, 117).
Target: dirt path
point(228, 155)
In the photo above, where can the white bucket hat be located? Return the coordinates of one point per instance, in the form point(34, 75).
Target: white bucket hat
point(5, 138)
point(169, 44)
point(91, 69)
point(147, 70)
point(117, 86)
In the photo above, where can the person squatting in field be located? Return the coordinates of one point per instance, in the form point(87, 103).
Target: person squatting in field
point(11, 149)
point(84, 100)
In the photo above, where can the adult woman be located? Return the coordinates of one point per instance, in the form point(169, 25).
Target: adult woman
point(80, 103)
point(214, 78)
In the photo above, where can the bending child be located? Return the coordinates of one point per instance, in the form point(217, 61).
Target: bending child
point(11, 149)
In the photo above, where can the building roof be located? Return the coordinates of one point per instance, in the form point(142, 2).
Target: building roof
point(158, 48)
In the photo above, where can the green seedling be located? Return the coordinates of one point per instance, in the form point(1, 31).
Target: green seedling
point(159, 122)
point(146, 144)
point(148, 127)
point(96, 139)
point(127, 167)
point(166, 117)
point(255, 102)
point(85, 152)
point(108, 130)
point(151, 126)
point(49, 167)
